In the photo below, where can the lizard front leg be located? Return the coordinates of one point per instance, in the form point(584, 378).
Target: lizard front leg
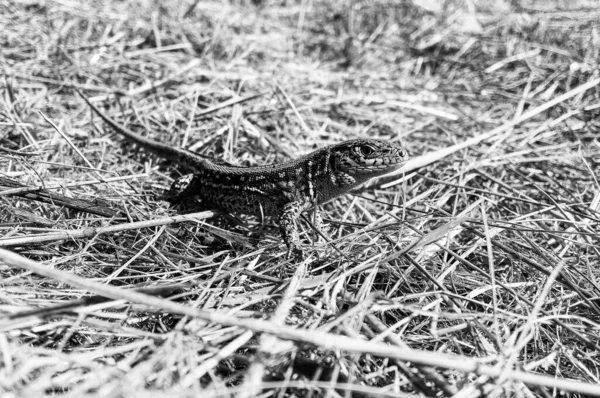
point(181, 189)
point(289, 228)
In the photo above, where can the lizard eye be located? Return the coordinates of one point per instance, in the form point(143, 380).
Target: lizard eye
point(366, 150)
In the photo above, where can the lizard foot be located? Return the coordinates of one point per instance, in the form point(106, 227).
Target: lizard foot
point(294, 252)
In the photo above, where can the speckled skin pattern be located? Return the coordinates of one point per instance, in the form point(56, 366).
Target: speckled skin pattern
point(282, 190)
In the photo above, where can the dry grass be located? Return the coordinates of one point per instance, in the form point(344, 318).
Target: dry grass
point(474, 272)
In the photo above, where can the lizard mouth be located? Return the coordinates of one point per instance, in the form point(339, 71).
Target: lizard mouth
point(378, 170)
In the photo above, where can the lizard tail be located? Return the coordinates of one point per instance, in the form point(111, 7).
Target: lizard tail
point(192, 159)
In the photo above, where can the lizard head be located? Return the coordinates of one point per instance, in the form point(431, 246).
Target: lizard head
point(366, 158)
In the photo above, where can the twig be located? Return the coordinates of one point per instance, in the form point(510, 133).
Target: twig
point(92, 232)
point(325, 340)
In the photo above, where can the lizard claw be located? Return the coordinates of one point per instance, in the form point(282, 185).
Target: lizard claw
point(294, 252)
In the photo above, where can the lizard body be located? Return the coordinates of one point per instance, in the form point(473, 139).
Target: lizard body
point(283, 190)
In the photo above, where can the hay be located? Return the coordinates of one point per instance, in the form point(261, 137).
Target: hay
point(473, 272)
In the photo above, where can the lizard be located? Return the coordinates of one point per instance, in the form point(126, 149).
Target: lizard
point(282, 190)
